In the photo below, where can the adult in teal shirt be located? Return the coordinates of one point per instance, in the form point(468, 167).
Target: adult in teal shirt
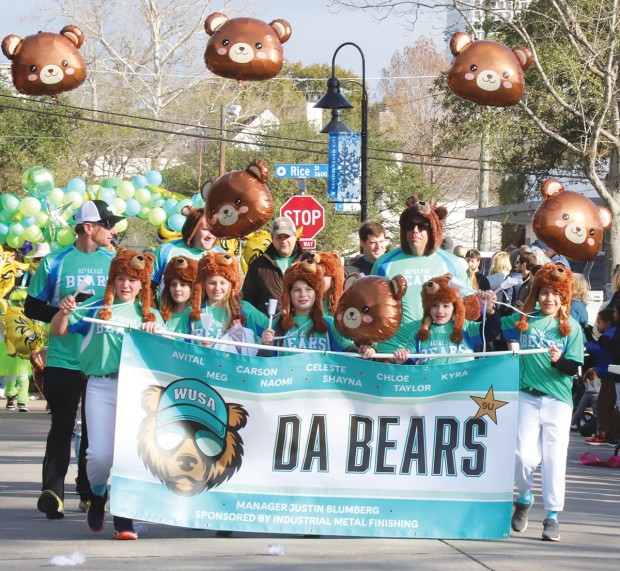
point(418, 259)
point(79, 270)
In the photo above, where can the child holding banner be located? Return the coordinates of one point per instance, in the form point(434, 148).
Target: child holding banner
point(127, 299)
point(545, 397)
point(216, 309)
point(303, 324)
point(179, 277)
point(444, 328)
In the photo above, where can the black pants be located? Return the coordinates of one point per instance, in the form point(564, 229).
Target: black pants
point(63, 388)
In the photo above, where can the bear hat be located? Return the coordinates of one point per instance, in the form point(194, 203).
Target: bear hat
point(435, 215)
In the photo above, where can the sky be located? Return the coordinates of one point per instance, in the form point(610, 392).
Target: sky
point(317, 31)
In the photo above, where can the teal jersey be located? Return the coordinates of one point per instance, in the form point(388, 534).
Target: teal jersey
point(58, 275)
point(176, 321)
point(416, 270)
point(298, 336)
point(169, 250)
point(536, 371)
point(439, 343)
point(100, 351)
point(283, 263)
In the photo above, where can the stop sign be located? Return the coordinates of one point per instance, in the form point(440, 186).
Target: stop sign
point(307, 212)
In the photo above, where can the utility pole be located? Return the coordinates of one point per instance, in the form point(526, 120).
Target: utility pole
point(222, 141)
point(484, 238)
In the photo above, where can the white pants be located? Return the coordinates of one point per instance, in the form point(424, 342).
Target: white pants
point(101, 393)
point(542, 436)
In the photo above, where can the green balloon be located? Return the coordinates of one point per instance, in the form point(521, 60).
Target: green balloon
point(111, 182)
point(38, 181)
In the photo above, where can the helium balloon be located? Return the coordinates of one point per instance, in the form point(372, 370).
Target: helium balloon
point(132, 207)
point(65, 236)
point(156, 200)
point(27, 221)
point(38, 181)
point(74, 199)
point(111, 182)
point(121, 225)
point(487, 72)
point(569, 222)
point(157, 216)
point(30, 206)
point(55, 197)
point(370, 309)
point(186, 202)
point(6, 216)
point(76, 185)
point(22, 335)
point(9, 202)
point(107, 194)
point(17, 216)
point(46, 63)
point(238, 202)
point(16, 229)
point(154, 178)
point(170, 206)
point(41, 219)
point(4, 229)
point(198, 201)
point(32, 234)
point(142, 195)
point(139, 181)
point(144, 212)
point(245, 48)
point(175, 222)
point(125, 190)
point(14, 241)
point(118, 206)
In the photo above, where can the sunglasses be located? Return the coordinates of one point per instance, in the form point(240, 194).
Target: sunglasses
point(421, 226)
point(107, 224)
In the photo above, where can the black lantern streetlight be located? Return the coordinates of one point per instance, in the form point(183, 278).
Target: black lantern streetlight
point(335, 101)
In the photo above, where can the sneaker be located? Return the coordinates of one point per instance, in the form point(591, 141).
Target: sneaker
point(551, 530)
point(84, 505)
point(96, 512)
point(123, 529)
point(10, 403)
point(51, 505)
point(22, 407)
point(598, 440)
point(519, 516)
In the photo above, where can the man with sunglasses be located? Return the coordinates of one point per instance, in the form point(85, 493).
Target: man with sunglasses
point(418, 259)
point(80, 270)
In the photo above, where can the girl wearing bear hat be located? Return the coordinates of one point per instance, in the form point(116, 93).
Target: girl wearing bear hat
point(179, 278)
point(303, 324)
point(448, 325)
point(216, 309)
point(545, 392)
point(127, 299)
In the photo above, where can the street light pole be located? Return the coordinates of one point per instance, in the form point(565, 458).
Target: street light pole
point(333, 99)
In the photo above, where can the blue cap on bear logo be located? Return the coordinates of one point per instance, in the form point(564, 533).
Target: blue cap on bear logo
point(194, 400)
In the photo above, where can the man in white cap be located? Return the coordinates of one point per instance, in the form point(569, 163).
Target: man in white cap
point(264, 278)
point(80, 270)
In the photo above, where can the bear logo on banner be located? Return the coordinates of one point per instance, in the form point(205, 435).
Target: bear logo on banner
point(189, 438)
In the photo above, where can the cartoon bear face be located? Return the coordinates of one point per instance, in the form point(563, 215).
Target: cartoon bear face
point(46, 63)
point(487, 72)
point(245, 48)
point(370, 309)
point(569, 222)
point(239, 202)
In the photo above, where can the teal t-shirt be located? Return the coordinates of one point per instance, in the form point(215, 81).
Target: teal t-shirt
point(416, 270)
point(100, 351)
point(439, 343)
point(298, 336)
point(283, 263)
point(169, 250)
point(59, 275)
point(176, 321)
point(535, 369)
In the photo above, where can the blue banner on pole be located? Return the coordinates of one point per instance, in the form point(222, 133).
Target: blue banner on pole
point(345, 167)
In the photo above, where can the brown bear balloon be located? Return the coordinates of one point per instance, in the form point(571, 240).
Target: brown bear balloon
point(569, 222)
point(245, 48)
point(487, 72)
point(46, 63)
point(371, 308)
point(238, 202)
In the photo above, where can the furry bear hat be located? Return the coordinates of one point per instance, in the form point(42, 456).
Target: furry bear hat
point(138, 266)
point(438, 290)
point(178, 268)
point(417, 208)
point(194, 221)
point(309, 271)
point(332, 266)
point(216, 264)
point(558, 278)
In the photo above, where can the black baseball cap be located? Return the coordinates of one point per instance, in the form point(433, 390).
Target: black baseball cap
point(96, 211)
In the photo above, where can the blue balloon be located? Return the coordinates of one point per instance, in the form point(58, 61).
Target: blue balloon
point(27, 221)
point(170, 206)
point(154, 178)
point(132, 207)
point(139, 181)
point(108, 194)
point(183, 203)
point(198, 201)
point(76, 185)
point(176, 221)
point(4, 229)
point(156, 201)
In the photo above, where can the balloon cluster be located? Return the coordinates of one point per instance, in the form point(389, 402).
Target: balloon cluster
point(46, 214)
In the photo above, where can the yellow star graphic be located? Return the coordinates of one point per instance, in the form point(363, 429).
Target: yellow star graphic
point(488, 405)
